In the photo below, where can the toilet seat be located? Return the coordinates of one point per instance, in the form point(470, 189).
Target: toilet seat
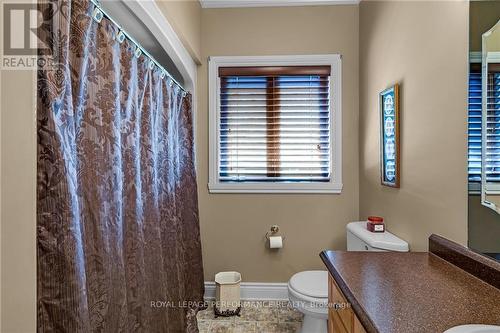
point(308, 293)
point(309, 289)
point(313, 284)
point(314, 304)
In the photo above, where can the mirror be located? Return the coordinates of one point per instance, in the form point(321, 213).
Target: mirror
point(483, 223)
point(490, 119)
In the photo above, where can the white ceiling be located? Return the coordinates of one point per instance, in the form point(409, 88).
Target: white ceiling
point(272, 3)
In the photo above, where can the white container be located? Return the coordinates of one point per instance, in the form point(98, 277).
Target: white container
point(227, 292)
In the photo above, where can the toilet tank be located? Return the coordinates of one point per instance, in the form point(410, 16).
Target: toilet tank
point(360, 239)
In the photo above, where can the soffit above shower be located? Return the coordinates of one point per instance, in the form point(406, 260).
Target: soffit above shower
point(273, 3)
point(129, 21)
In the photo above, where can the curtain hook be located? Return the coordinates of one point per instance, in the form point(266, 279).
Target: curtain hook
point(120, 37)
point(170, 83)
point(138, 52)
point(97, 15)
point(151, 64)
point(162, 75)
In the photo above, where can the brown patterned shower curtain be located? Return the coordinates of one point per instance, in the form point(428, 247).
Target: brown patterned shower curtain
point(117, 213)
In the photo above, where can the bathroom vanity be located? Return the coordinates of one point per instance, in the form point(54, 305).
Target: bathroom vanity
point(412, 292)
point(341, 318)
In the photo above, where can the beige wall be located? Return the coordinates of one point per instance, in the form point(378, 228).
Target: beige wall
point(423, 46)
point(185, 18)
point(484, 227)
point(233, 225)
point(492, 42)
point(17, 212)
point(483, 16)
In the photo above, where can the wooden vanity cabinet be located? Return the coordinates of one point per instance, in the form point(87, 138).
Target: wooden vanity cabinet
point(341, 318)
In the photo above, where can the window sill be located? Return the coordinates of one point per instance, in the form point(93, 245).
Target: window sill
point(311, 188)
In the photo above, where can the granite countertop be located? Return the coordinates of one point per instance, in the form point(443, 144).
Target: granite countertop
point(411, 292)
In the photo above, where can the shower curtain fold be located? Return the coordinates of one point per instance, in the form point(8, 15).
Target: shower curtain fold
point(118, 240)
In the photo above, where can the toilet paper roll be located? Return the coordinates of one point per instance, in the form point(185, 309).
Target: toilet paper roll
point(275, 242)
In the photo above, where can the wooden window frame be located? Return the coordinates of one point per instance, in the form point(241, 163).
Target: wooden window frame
point(278, 65)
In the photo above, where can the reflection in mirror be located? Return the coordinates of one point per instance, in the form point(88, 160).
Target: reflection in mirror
point(490, 119)
point(483, 222)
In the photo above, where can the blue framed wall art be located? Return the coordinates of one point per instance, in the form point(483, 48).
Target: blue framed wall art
point(389, 137)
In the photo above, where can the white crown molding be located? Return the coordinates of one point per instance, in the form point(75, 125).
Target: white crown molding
point(272, 3)
point(254, 291)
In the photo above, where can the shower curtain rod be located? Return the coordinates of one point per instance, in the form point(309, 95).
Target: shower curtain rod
point(97, 15)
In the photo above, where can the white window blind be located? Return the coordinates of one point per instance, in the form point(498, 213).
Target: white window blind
point(274, 124)
point(493, 128)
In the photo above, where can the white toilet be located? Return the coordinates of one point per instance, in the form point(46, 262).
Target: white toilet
point(308, 293)
point(308, 290)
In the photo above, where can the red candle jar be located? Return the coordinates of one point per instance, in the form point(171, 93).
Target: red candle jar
point(375, 224)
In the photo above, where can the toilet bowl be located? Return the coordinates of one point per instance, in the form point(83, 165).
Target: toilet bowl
point(308, 293)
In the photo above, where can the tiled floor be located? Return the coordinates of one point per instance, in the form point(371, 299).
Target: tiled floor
point(256, 317)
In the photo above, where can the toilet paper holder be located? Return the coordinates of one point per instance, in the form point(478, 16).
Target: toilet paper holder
point(273, 231)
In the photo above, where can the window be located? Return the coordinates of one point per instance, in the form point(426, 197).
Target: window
point(275, 124)
point(474, 126)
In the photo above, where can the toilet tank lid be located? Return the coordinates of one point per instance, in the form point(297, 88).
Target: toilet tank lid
point(380, 240)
